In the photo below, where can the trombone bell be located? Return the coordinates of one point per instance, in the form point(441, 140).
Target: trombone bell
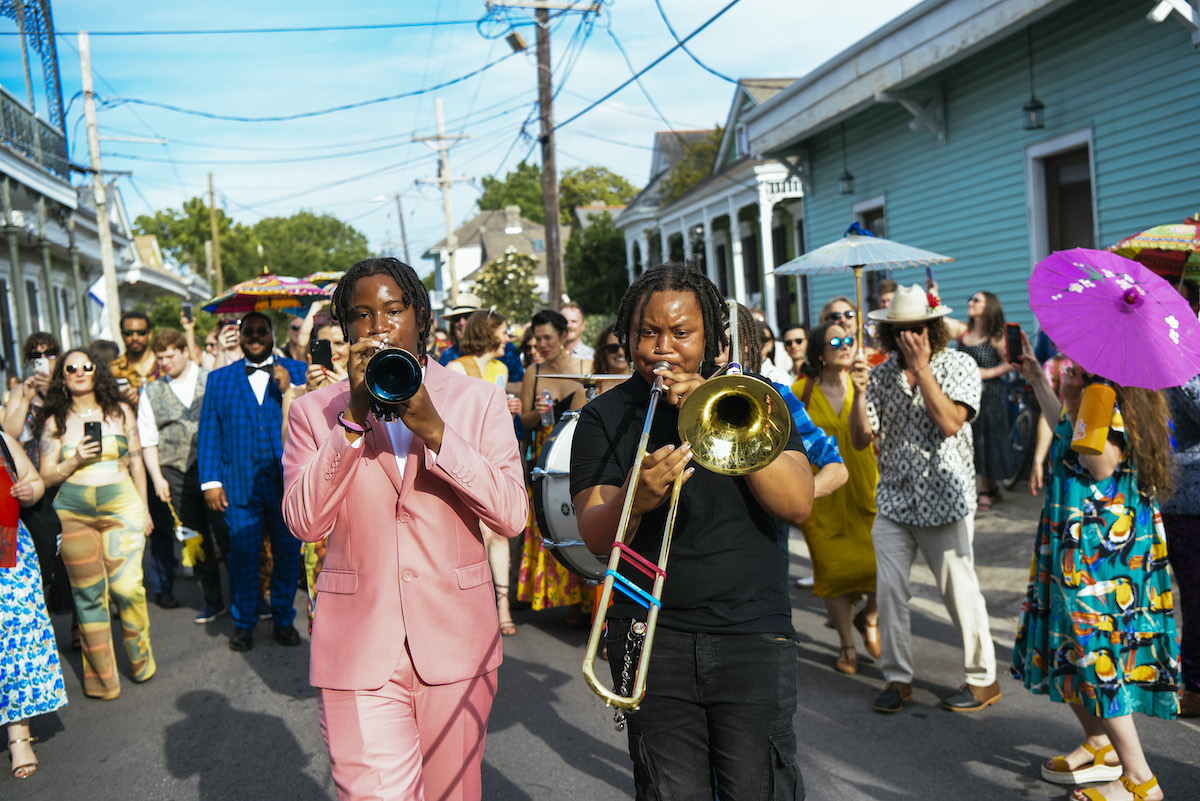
point(736, 424)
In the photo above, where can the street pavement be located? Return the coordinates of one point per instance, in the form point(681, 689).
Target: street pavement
point(216, 725)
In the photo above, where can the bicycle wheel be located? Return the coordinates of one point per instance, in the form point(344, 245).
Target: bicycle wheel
point(1020, 438)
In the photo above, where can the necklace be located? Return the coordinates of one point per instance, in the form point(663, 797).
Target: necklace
point(87, 412)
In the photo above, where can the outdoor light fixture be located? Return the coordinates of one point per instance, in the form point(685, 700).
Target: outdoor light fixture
point(516, 41)
point(845, 180)
point(1033, 112)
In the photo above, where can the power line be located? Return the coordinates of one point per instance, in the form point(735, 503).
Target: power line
point(662, 13)
point(240, 31)
point(119, 101)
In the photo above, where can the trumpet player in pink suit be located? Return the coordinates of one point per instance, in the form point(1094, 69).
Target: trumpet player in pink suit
point(405, 641)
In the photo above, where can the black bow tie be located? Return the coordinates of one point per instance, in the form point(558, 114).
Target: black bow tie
point(251, 369)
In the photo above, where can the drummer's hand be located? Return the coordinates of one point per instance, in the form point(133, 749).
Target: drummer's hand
point(659, 470)
point(678, 385)
point(356, 366)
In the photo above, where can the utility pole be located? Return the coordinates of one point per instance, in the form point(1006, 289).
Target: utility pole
point(554, 269)
point(403, 235)
point(112, 300)
point(216, 239)
point(444, 181)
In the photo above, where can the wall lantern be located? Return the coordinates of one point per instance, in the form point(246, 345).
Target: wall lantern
point(1032, 113)
point(845, 180)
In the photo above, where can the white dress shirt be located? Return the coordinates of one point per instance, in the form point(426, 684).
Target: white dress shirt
point(184, 388)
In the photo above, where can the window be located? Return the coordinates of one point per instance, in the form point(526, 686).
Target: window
point(35, 315)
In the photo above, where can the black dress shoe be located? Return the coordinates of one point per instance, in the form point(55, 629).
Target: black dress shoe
point(894, 696)
point(166, 600)
point(286, 635)
point(242, 640)
point(970, 698)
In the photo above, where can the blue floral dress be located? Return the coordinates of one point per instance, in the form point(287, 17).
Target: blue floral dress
point(1096, 627)
point(31, 681)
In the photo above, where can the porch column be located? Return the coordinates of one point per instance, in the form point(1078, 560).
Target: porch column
point(644, 244)
point(47, 278)
point(687, 240)
point(629, 262)
point(765, 208)
point(710, 254)
point(664, 249)
point(735, 251)
point(16, 274)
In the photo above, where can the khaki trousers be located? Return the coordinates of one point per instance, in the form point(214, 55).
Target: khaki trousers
point(950, 553)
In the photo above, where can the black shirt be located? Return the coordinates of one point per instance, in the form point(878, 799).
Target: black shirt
point(727, 572)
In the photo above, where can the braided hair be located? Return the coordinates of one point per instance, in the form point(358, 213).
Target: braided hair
point(413, 294)
point(675, 277)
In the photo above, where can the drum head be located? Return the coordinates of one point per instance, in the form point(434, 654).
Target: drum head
point(552, 503)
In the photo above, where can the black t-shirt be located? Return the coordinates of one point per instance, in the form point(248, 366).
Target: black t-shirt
point(726, 572)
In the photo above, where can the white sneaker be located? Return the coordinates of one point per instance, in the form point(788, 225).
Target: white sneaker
point(804, 582)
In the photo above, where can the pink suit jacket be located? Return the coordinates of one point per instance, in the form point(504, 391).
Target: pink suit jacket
point(405, 558)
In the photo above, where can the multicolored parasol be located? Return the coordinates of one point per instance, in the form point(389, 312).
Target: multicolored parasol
point(323, 278)
point(859, 250)
point(264, 292)
point(1116, 318)
point(1172, 251)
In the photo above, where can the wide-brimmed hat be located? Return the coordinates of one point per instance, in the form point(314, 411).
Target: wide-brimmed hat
point(468, 302)
point(910, 304)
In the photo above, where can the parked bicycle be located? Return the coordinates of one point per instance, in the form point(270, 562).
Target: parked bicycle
point(1023, 413)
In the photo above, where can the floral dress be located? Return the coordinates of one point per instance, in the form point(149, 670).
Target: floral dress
point(1096, 627)
point(31, 681)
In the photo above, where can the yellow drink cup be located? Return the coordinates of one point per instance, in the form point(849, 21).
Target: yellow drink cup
point(1095, 414)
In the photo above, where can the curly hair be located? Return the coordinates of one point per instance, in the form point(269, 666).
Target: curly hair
point(58, 399)
point(483, 333)
point(1147, 429)
point(814, 348)
point(675, 277)
point(939, 337)
point(413, 294)
point(29, 349)
point(600, 364)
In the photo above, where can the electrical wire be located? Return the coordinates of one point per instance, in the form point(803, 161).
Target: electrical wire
point(662, 13)
point(240, 31)
point(120, 101)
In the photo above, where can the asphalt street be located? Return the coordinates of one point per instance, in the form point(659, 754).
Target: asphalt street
point(216, 725)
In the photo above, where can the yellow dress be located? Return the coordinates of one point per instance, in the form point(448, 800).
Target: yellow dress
point(838, 531)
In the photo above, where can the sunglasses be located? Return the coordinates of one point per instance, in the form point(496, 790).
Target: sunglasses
point(46, 354)
point(837, 343)
point(846, 315)
point(257, 331)
point(612, 348)
point(790, 342)
point(87, 368)
point(135, 332)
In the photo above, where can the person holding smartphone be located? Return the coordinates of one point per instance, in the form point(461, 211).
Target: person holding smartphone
point(91, 451)
point(137, 365)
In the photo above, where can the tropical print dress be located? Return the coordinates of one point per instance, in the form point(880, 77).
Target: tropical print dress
point(31, 681)
point(1096, 627)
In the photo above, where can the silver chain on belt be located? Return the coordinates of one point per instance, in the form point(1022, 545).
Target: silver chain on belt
point(633, 648)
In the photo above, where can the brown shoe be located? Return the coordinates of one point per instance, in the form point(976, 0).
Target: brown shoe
point(870, 635)
point(894, 696)
point(970, 698)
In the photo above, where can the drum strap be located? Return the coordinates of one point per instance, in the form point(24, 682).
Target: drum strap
point(808, 388)
point(470, 365)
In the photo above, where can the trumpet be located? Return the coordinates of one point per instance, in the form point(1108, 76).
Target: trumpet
point(393, 375)
point(736, 424)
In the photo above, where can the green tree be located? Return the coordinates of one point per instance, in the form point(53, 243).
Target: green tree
point(585, 186)
point(305, 243)
point(594, 266)
point(521, 187)
point(697, 164)
point(506, 282)
point(182, 234)
point(165, 314)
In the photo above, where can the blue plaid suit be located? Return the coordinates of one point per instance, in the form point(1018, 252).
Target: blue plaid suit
point(240, 445)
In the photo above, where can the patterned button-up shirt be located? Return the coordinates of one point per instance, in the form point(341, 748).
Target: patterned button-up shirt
point(925, 479)
point(121, 368)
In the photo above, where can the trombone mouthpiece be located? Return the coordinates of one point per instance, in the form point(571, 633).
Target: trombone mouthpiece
point(658, 381)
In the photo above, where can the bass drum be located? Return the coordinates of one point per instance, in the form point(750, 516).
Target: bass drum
point(552, 503)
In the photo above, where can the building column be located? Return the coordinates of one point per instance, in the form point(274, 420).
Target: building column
point(16, 274)
point(765, 214)
point(735, 253)
point(47, 277)
point(664, 247)
point(644, 244)
point(629, 262)
point(81, 318)
point(687, 240)
point(710, 254)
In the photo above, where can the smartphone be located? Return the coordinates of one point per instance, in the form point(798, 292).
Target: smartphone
point(234, 321)
point(930, 281)
point(322, 352)
point(92, 430)
point(187, 312)
point(122, 384)
point(41, 365)
point(1012, 338)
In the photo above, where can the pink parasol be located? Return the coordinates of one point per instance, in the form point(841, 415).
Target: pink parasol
point(1116, 318)
point(267, 291)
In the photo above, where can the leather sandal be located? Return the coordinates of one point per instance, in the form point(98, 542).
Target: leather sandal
point(29, 768)
point(844, 664)
point(1138, 791)
point(1097, 771)
point(507, 627)
point(870, 635)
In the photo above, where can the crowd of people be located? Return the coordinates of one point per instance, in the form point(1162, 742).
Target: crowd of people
point(272, 458)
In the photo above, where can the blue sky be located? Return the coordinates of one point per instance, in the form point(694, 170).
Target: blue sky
point(338, 162)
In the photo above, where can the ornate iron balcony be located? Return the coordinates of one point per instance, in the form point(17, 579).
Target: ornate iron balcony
point(35, 139)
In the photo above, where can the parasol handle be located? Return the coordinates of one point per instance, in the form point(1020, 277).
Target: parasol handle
point(858, 297)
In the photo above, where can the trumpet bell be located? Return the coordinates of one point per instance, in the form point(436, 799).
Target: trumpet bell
point(393, 375)
point(736, 424)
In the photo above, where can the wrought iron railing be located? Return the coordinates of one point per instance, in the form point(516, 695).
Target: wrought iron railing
point(25, 134)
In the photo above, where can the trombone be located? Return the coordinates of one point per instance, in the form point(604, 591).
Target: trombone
point(736, 425)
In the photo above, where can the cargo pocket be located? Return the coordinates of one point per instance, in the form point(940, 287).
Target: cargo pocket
point(786, 783)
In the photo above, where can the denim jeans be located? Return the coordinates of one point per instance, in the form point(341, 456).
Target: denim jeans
point(716, 721)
